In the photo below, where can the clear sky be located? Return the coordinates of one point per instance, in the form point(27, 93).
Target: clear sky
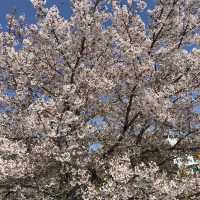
point(24, 7)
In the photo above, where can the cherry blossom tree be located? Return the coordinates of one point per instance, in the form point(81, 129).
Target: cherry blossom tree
point(102, 79)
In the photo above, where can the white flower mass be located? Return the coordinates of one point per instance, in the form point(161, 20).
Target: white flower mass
point(103, 102)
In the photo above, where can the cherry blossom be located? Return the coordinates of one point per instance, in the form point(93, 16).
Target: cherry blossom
point(135, 80)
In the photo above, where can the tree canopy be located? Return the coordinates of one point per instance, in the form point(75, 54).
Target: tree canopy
point(104, 105)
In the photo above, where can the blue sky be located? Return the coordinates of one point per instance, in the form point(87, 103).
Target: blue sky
point(24, 7)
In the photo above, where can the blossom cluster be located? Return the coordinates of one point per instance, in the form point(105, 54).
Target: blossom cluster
point(103, 79)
